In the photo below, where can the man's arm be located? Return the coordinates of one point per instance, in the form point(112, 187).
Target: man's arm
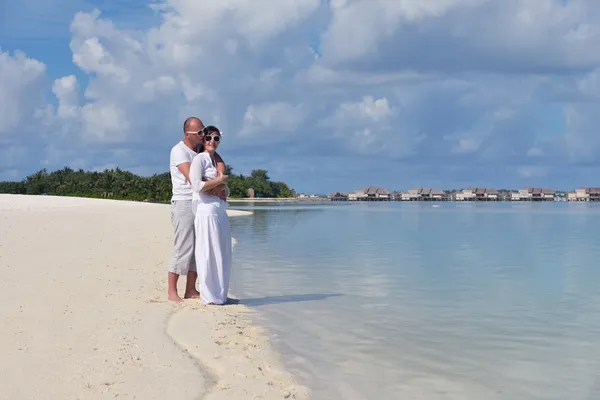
point(181, 160)
point(220, 168)
point(220, 163)
point(184, 168)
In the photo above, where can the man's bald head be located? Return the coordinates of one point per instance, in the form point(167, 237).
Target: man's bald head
point(192, 124)
point(192, 132)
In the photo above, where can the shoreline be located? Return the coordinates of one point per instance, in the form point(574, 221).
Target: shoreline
point(280, 200)
point(92, 320)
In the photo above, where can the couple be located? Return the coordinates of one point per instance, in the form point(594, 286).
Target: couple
point(202, 238)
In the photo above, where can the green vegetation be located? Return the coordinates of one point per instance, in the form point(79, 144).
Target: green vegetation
point(124, 185)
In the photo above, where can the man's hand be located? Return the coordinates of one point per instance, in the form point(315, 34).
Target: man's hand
point(222, 195)
point(218, 191)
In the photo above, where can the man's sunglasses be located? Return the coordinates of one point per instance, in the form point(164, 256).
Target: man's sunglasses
point(201, 131)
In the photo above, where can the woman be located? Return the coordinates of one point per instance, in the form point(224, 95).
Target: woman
point(213, 235)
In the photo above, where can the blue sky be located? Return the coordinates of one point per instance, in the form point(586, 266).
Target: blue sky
point(325, 95)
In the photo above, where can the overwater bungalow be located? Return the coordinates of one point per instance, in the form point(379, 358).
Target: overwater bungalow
point(358, 195)
point(584, 194)
point(465, 195)
point(425, 194)
point(536, 194)
point(412, 194)
point(477, 194)
point(338, 196)
point(371, 193)
point(533, 194)
point(492, 195)
point(594, 194)
point(382, 194)
point(520, 195)
point(548, 194)
point(438, 195)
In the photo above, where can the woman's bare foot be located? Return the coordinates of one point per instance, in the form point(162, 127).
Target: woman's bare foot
point(173, 296)
point(192, 294)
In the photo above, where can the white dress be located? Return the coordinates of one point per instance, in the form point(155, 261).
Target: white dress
point(213, 234)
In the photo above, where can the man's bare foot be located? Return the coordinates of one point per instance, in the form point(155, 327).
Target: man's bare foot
point(175, 297)
point(193, 294)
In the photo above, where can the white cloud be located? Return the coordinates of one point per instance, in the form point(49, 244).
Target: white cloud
point(66, 90)
point(369, 108)
point(276, 117)
point(489, 35)
point(92, 57)
point(535, 152)
point(256, 25)
point(143, 76)
point(357, 27)
point(21, 89)
point(589, 85)
point(532, 171)
point(466, 145)
point(459, 81)
point(372, 126)
point(104, 122)
point(163, 85)
point(359, 114)
point(581, 141)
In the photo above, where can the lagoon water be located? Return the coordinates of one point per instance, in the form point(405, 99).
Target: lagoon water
point(410, 301)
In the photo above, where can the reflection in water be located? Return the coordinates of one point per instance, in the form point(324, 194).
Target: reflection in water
point(262, 301)
point(259, 223)
point(479, 301)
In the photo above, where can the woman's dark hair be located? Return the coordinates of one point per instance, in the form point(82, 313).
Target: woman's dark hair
point(211, 129)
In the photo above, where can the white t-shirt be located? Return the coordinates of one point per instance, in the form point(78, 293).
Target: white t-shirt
point(182, 189)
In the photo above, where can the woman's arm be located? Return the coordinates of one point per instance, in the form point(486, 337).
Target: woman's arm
point(197, 174)
point(218, 191)
point(206, 186)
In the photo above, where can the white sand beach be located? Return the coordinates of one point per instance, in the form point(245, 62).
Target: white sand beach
point(84, 314)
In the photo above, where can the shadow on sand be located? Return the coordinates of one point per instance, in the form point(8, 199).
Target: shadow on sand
point(293, 298)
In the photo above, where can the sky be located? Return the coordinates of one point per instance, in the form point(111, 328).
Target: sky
point(327, 95)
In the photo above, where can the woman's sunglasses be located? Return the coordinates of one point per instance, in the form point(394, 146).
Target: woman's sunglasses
point(208, 138)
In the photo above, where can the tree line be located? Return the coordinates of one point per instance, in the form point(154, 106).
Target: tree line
point(124, 185)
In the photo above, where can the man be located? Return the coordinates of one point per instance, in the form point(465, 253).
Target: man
point(183, 261)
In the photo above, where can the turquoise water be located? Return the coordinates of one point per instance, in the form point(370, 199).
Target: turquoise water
point(411, 301)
